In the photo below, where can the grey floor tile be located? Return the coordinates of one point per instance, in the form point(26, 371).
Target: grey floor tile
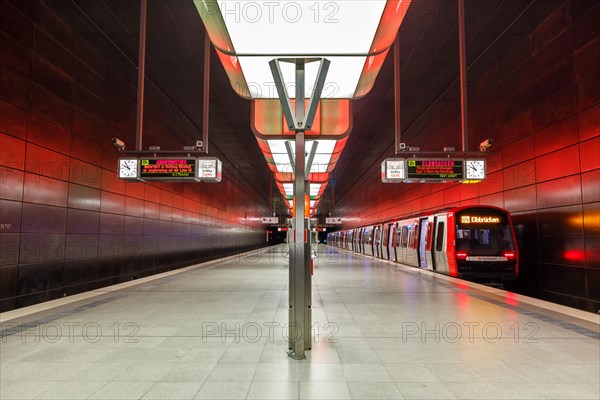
point(411, 373)
point(75, 390)
point(173, 391)
point(223, 390)
point(122, 390)
point(274, 390)
point(233, 372)
point(370, 390)
point(425, 391)
point(324, 390)
point(24, 389)
point(366, 373)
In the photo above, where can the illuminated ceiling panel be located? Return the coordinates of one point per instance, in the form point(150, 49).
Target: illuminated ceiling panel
point(326, 27)
point(354, 35)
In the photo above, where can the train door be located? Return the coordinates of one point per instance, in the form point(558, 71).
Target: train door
point(438, 248)
point(376, 240)
point(422, 245)
point(394, 242)
point(388, 243)
point(359, 239)
point(383, 242)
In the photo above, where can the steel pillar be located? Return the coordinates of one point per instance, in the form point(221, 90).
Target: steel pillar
point(141, 75)
point(300, 119)
point(206, 94)
point(397, 95)
point(463, 76)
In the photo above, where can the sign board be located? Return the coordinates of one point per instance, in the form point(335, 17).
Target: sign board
point(422, 170)
point(440, 170)
point(210, 169)
point(393, 170)
point(162, 169)
point(333, 221)
point(171, 169)
point(270, 220)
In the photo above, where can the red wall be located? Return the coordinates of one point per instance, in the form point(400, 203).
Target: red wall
point(541, 105)
point(66, 223)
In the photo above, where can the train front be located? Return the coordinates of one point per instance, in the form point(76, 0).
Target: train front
point(485, 246)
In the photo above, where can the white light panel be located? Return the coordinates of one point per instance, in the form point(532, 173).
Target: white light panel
point(289, 189)
point(314, 189)
point(320, 161)
point(341, 81)
point(308, 27)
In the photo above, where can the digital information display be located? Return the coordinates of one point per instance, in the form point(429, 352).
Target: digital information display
point(171, 169)
point(165, 168)
point(434, 169)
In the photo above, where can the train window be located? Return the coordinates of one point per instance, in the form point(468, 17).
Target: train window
point(404, 240)
point(439, 240)
point(485, 240)
point(415, 238)
point(429, 225)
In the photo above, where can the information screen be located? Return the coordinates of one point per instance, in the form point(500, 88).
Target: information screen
point(165, 168)
point(434, 169)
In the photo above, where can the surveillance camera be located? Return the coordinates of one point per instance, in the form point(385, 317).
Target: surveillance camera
point(485, 145)
point(199, 144)
point(118, 144)
point(402, 146)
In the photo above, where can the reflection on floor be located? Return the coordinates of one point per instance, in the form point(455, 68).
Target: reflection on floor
point(218, 332)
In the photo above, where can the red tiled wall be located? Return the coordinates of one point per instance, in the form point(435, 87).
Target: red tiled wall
point(66, 223)
point(544, 167)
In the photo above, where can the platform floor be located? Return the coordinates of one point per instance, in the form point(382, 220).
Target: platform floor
point(384, 332)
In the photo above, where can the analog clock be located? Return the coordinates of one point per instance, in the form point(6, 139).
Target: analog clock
point(128, 168)
point(475, 169)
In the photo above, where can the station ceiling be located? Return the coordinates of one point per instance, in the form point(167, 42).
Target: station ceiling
point(429, 59)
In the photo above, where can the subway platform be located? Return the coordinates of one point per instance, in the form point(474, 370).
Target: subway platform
point(218, 331)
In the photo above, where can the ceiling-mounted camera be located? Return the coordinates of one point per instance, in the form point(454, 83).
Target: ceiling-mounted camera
point(485, 145)
point(199, 144)
point(118, 144)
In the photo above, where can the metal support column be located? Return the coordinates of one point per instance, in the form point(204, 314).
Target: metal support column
point(206, 94)
point(307, 277)
point(463, 76)
point(141, 75)
point(297, 301)
point(397, 94)
point(300, 119)
point(297, 258)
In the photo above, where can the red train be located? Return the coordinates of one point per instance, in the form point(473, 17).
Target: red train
point(476, 242)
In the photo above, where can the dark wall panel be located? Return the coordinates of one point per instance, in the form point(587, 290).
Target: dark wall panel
point(67, 224)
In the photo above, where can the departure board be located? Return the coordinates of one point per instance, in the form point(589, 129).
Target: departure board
point(434, 169)
point(168, 168)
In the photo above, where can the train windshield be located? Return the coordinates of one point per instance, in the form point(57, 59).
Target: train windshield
point(485, 233)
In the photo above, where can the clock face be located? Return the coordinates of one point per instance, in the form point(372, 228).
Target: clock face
point(475, 169)
point(128, 168)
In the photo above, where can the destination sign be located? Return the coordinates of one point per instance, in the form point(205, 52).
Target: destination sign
point(434, 169)
point(165, 168)
point(476, 219)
